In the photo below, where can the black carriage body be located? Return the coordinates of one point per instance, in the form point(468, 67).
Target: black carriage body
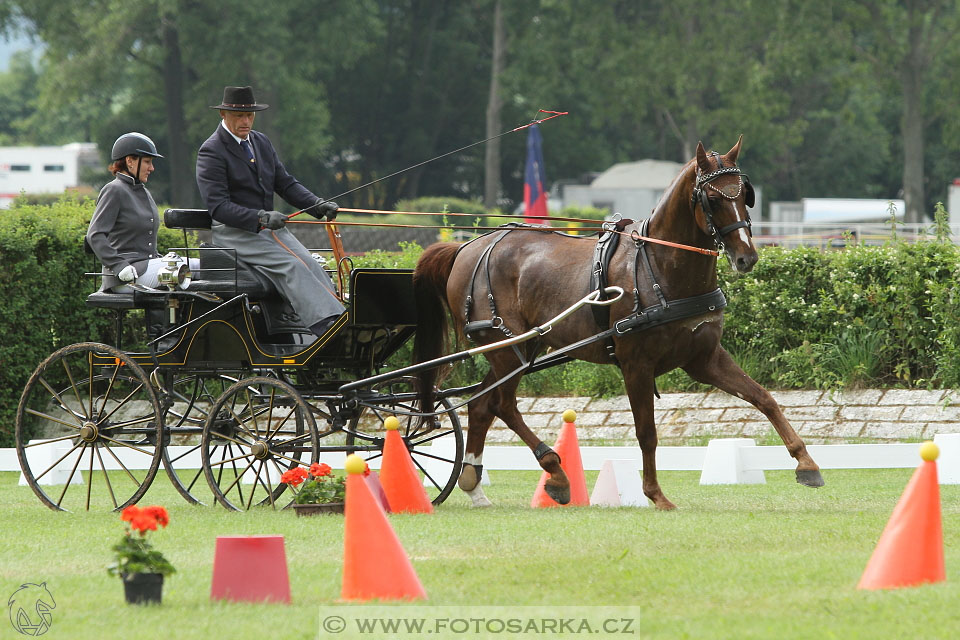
point(251, 328)
point(233, 389)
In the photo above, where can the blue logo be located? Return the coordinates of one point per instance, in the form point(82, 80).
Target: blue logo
point(30, 607)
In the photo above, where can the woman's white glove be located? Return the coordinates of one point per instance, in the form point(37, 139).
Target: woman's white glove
point(128, 273)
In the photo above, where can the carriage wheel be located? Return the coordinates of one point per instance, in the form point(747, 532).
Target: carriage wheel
point(193, 398)
point(258, 429)
point(87, 430)
point(436, 447)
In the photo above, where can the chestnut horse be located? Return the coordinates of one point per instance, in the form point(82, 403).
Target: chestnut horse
point(535, 274)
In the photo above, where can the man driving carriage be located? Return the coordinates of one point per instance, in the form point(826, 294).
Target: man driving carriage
point(238, 173)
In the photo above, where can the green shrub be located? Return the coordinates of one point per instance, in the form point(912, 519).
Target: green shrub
point(803, 318)
point(439, 204)
point(44, 289)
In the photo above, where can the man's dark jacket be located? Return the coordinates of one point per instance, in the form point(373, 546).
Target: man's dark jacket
point(235, 189)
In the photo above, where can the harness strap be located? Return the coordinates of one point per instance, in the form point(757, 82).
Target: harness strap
point(657, 315)
point(495, 321)
point(642, 252)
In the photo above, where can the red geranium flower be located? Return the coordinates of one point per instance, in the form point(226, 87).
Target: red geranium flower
point(318, 470)
point(143, 523)
point(294, 476)
point(159, 514)
point(131, 512)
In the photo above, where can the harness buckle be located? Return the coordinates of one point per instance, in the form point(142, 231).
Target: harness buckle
point(616, 325)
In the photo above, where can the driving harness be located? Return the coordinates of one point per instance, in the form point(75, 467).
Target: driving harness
point(607, 243)
point(640, 319)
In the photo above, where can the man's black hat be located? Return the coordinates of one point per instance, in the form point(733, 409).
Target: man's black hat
point(239, 99)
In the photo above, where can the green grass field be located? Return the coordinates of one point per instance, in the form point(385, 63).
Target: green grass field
point(764, 561)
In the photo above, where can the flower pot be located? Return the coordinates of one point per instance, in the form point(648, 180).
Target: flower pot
point(142, 588)
point(314, 509)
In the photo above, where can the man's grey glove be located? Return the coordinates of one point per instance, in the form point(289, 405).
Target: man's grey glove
point(128, 273)
point(272, 219)
point(325, 209)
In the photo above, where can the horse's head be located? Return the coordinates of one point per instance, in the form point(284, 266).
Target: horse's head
point(721, 195)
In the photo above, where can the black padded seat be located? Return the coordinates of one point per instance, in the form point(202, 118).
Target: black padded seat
point(186, 219)
point(220, 271)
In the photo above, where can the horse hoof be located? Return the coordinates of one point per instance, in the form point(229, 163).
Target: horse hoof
point(810, 477)
point(560, 495)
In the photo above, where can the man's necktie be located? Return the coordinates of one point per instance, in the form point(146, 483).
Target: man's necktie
point(246, 147)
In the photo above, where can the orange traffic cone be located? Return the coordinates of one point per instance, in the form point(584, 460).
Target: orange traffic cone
point(910, 549)
point(568, 449)
point(375, 566)
point(400, 480)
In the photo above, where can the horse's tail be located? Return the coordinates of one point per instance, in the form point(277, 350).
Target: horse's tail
point(430, 291)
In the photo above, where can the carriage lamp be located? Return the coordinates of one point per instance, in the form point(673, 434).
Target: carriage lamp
point(175, 272)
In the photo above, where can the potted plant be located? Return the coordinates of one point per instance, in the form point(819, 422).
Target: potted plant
point(317, 489)
point(139, 565)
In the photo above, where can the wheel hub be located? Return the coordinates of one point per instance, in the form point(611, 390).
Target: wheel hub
point(89, 432)
point(260, 450)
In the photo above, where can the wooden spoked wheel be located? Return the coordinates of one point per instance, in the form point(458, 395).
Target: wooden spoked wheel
point(435, 443)
point(89, 429)
point(258, 429)
point(191, 402)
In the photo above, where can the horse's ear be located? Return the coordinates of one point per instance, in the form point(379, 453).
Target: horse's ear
point(702, 157)
point(735, 151)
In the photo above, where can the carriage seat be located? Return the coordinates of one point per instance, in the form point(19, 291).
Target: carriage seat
point(221, 272)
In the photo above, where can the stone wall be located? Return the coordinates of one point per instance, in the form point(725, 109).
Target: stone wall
point(870, 415)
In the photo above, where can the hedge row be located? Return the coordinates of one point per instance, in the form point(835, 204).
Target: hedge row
point(43, 291)
point(803, 318)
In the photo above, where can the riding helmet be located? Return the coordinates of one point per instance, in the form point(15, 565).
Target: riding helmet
point(133, 144)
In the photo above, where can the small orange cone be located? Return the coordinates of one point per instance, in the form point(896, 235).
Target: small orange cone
point(910, 549)
point(398, 476)
point(375, 566)
point(568, 449)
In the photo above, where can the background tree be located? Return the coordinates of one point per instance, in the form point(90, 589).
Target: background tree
point(904, 41)
point(834, 99)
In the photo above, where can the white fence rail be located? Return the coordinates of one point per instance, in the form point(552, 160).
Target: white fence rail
point(722, 461)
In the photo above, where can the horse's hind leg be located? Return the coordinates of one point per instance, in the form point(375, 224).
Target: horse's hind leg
point(479, 418)
point(502, 403)
point(721, 371)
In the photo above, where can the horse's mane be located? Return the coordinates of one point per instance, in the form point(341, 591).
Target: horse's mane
point(675, 184)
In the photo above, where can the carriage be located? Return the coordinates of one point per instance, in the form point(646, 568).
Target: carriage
point(238, 392)
point(229, 393)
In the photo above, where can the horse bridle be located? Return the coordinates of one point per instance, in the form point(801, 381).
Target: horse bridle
point(700, 195)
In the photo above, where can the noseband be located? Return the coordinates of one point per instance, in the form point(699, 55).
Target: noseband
point(700, 195)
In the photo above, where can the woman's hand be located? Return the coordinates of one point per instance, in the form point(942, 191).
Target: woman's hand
point(128, 273)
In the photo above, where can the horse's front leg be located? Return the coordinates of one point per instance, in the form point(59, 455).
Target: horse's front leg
point(721, 371)
point(639, 384)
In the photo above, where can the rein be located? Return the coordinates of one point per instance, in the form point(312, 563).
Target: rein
point(633, 235)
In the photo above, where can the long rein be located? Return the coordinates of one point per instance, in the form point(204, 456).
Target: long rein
point(595, 226)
